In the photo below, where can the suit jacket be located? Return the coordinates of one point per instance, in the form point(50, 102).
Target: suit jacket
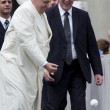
point(24, 50)
point(84, 42)
point(2, 34)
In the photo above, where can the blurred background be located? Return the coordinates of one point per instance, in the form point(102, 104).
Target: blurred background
point(99, 14)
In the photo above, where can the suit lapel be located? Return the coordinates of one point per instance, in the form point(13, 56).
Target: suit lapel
point(75, 22)
point(38, 20)
point(48, 27)
point(2, 30)
point(41, 22)
point(59, 22)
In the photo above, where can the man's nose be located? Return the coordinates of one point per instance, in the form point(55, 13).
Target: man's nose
point(7, 3)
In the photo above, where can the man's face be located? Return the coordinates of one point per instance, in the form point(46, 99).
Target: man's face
point(5, 7)
point(41, 5)
point(66, 4)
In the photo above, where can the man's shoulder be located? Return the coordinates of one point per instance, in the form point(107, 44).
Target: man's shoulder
point(24, 12)
point(2, 30)
point(1, 26)
point(26, 7)
point(80, 11)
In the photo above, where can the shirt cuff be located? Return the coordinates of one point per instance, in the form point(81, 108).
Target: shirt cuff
point(44, 64)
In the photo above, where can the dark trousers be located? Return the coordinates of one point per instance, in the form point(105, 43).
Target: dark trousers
point(73, 81)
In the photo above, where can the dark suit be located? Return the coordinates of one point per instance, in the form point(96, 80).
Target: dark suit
point(2, 34)
point(70, 77)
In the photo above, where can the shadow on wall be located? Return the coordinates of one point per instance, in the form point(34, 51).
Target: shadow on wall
point(81, 4)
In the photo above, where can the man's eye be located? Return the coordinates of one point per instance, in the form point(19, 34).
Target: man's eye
point(9, 2)
point(4, 2)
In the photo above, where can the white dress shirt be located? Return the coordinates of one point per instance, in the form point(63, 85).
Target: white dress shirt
point(74, 55)
point(3, 21)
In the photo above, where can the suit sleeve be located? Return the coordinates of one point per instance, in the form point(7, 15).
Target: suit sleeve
point(92, 49)
point(24, 26)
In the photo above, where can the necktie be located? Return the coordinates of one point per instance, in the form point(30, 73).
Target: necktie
point(6, 24)
point(68, 58)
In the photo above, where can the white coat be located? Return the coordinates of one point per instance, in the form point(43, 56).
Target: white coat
point(24, 51)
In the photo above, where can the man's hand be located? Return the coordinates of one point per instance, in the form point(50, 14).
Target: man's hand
point(47, 76)
point(98, 79)
point(51, 68)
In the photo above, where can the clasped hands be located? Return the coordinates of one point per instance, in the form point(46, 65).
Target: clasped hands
point(50, 69)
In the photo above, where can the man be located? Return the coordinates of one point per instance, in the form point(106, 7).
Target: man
point(5, 17)
point(23, 57)
point(73, 47)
